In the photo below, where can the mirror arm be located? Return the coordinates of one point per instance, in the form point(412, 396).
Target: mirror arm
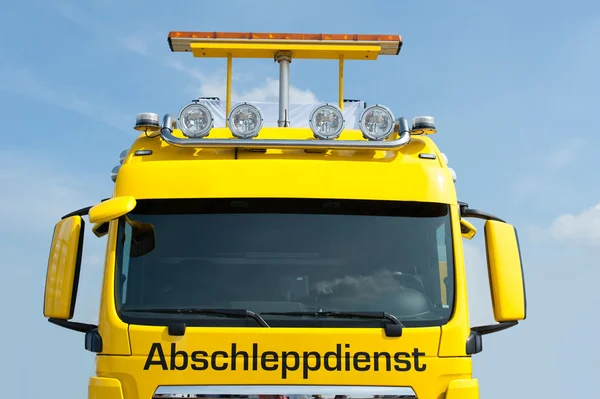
point(72, 325)
point(467, 212)
point(475, 341)
point(79, 212)
point(493, 328)
point(82, 211)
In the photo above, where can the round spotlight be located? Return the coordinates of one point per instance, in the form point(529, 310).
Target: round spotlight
point(195, 120)
point(376, 122)
point(327, 122)
point(245, 121)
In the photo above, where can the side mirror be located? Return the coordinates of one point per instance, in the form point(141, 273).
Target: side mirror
point(143, 238)
point(505, 272)
point(64, 263)
point(100, 229)
point(111, 209)
point(467, 230)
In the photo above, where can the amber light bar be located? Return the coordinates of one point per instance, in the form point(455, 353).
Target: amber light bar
point(389, 44)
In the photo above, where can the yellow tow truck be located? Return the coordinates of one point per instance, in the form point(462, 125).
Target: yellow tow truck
point(278, 250)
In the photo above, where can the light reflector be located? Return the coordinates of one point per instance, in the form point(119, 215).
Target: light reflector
point(327, 122)
point(245, 121)
point(376, 122)
point(195, 120)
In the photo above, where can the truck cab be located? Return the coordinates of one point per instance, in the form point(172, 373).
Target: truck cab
point(261, 250)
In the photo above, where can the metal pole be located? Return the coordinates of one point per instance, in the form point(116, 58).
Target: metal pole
point(341, 83)
point(284, 59)
point(228, 92)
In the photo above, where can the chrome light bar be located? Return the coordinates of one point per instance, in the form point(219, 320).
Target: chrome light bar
point(289, 391)
point(401, 126)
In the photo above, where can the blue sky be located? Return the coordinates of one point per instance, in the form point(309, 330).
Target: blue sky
point(513, 88)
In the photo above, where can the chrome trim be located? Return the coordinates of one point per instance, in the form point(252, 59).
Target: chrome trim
point(167, 136)
point(168, 123)
point(292, 391)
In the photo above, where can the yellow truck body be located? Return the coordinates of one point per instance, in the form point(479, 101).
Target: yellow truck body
point(276, 261)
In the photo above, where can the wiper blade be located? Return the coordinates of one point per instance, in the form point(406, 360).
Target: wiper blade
point(364, 315)
point(237, 313)
point(391, 330)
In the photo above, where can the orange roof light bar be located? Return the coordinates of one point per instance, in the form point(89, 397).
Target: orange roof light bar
point(389, 44)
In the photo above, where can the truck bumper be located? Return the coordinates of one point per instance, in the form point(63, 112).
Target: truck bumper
point(104, 388)
point(463, 389)
point(110, 388)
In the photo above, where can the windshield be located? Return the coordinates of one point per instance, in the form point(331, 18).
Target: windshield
point(285, 255)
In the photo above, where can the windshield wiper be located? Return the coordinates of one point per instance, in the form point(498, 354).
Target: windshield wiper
point(391, 330)
point(237, 313)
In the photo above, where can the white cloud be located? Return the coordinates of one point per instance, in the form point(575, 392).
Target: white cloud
point(215, 85)
point(270, 92)
point(480, 304)
point(24, 83)
point(583, 227)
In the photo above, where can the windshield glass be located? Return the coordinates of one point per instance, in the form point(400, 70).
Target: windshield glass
point(285, 255)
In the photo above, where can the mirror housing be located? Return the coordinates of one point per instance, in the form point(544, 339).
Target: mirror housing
point(64, 264)
point(467, 230)
point(100, 229)
point(505, 271)
point(143, 238)
point(111, 209)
